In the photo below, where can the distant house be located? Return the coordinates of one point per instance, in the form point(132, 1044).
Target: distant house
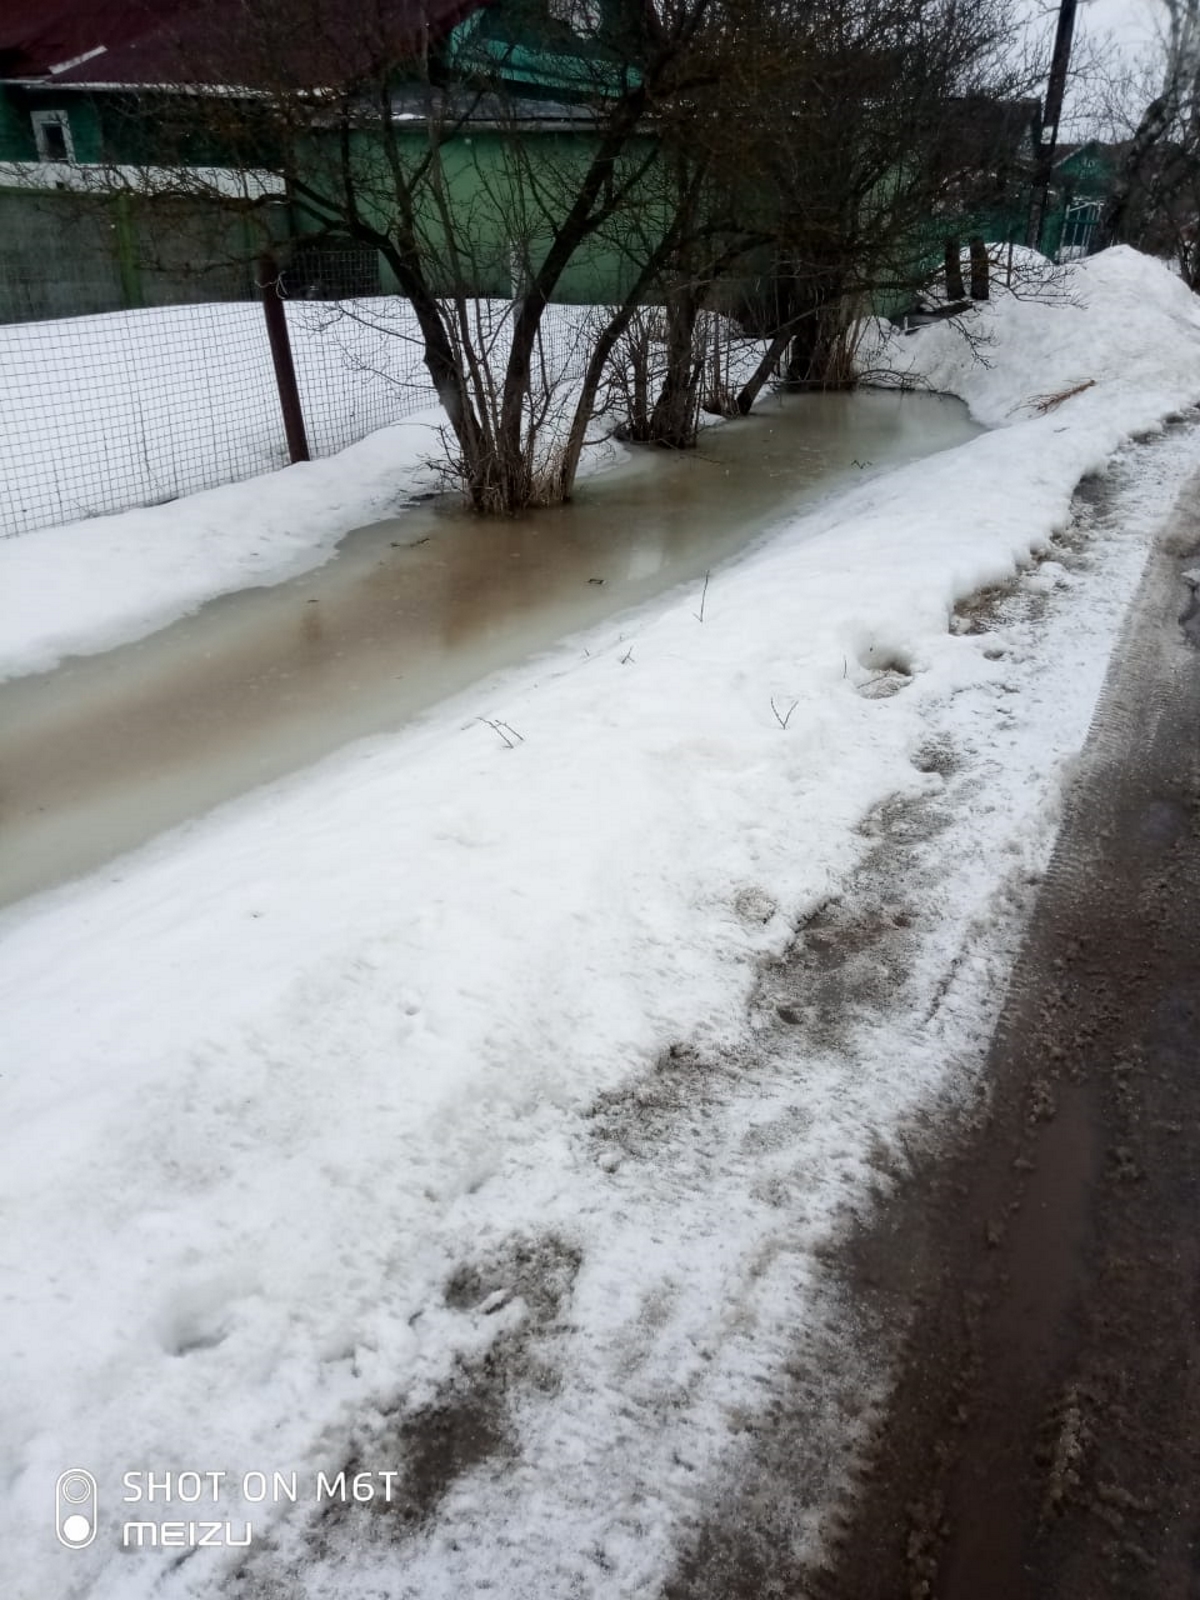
point(1162, 212)
point(84, 83)
point(101, 208)
point(1082, 180)
point(80, 88)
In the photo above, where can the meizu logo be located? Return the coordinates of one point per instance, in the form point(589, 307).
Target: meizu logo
point(188, 1535)
point(75, 1508)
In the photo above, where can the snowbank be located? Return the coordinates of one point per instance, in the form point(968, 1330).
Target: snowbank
point(1119, 322)
point(1014, 269)
point(313, 1103)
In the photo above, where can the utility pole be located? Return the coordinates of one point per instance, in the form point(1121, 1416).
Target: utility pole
point(1055, 90)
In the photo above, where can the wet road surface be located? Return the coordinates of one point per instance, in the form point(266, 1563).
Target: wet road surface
point(1044, 1437)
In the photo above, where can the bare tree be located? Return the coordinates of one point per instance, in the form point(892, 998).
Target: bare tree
point(817, 140)
point(696, 144)
point(464, 185)
point(882, 136)
point(1156, 192)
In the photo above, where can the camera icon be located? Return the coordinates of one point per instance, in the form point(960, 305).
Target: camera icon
point(75, 1508)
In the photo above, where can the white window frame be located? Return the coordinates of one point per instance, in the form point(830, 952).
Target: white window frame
point(52, 119)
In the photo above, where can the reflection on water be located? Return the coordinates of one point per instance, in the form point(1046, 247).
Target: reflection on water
point(106, 751)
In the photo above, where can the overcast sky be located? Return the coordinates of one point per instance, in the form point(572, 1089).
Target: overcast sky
point(1131, 22)
point(1130, 27)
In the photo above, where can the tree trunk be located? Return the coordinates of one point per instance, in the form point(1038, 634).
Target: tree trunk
point(675, 420)
point(980, 267)
point(811, 337)
point(479, 455)
point(1115, 222)
point(804, 354)
point(754, 385)
point(817, 357)
point(955, 288)
point(585, 215)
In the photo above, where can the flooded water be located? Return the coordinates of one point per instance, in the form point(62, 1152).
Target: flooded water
point(107, 751)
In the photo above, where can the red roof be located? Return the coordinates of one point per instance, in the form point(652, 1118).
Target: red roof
point(36, 35)
point(190, 41)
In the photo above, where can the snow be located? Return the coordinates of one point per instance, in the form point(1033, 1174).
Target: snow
point(1117, 320)
point(1014, 269)
point(433, 1077)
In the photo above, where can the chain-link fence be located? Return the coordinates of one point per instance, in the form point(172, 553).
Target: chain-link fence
point(137, 407)
point(131, 408)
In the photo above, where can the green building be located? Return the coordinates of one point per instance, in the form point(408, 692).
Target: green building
point(118, 189)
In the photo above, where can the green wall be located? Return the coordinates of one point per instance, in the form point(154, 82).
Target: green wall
point(505, 191)
point(17, 140)
point(66, 254)
point(16, 134)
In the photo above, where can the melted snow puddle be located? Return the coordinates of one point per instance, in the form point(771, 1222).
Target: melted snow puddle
point(106, 751)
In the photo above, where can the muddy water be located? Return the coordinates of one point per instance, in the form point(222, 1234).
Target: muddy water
point(107, 751)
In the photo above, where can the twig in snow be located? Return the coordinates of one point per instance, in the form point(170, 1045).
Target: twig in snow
point(628, 656)
point(503, 729)
point(787, 716)
point(1043, 403)
point(699, 615)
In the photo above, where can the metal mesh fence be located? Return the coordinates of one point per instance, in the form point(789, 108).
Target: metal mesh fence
point(358, 362)
point(127, 408)
point(131, 408)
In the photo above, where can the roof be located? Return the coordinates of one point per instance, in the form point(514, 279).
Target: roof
point(455, 106)
point(39, 39)
point(1091, 149)
point(109, 43)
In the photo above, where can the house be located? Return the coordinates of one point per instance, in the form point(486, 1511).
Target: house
point(119, 187)
point(1081, 181)
point(80, 87)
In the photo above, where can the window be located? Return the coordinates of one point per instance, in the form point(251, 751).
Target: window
point(52, 131)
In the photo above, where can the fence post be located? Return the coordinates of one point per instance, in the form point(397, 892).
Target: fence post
point(281, 355)
point(127, 252)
